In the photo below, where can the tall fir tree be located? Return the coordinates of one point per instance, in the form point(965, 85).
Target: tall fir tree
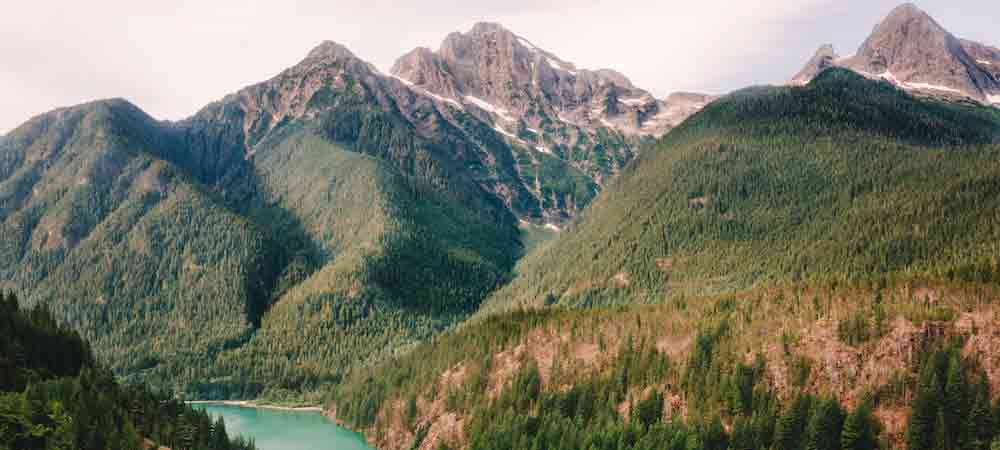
point(859, 431)
point(825, 426)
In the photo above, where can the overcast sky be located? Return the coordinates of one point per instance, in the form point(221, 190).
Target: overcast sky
point(172, 57)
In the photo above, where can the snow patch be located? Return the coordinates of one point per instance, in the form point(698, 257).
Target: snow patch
point(423, 91)
point(525, 43)
point(558, 66)
point(543, 149)
point(489, 107)
point(553, 227)
point(634, 101)
point(891, 78)
point(993, 98)
point(606, 123)
point(532, 130)
point(920, 86)
point(932, 87)
point(505, 132)
point(983, 61)
point(403, 80)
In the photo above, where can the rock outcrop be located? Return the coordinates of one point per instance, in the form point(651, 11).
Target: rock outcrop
point(912, 51)
point(594, 119)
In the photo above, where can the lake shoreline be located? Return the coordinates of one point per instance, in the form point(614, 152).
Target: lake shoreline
point(251, 404)
point(274, 427)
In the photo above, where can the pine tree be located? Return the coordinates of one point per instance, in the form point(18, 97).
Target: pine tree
point(825, 426)
point(220, 438)
point(715, 436)
point(979, 428)
point(923, 418)
point(790, 430)
point(954, 409)
point(859, 430)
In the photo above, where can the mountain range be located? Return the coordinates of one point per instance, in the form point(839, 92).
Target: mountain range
point(331, 203)
point(792, 267)
point(386, 244)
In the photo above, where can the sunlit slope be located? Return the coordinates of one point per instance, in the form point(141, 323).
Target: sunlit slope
point(845, 178)
point(182, 261)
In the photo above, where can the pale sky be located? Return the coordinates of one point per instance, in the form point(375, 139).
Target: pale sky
point(172, 57)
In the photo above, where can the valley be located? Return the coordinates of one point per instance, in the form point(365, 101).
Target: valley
point(490, 247)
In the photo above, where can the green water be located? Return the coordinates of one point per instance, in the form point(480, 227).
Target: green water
point(286, 430)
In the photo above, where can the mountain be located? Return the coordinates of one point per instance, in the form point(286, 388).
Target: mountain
point(824, 58)
point(219, 255)
point(714, 213)
point(328, 204)
point(596, 120)
point(911, 50)
point(788, 255)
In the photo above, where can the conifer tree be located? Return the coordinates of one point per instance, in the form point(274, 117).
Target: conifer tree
point(954, 409)
point(923, 417)
point(825, 426)
point(859, 429)
point(790, 430)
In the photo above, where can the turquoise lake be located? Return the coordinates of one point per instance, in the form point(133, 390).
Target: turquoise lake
point(286, 430)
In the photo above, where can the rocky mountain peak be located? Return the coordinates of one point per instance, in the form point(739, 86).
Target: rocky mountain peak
point(509, 78)
point(913, 51)
point(907, 11)
point(330, 50)
point(824, 57)
point(541, 105)
point(482, 28)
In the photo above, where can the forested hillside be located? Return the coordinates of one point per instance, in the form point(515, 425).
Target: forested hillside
point(53, 396)
point(215, 262)
point(843, 179)
point(220, 256)
point(807, 267)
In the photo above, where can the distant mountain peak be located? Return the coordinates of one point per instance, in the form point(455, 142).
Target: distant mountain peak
point(487, 27)
point(824, 57)
point(330, 50)
point(908, 11)
point(914, 52)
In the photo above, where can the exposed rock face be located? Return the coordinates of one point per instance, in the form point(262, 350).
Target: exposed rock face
point(422, 133)
point(911, 50)
point(823, 59)
point(594, 119)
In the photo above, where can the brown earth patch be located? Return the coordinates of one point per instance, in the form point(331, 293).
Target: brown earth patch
point(621, 280)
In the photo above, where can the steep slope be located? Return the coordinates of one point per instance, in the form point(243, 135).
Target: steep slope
point(832, 240)
point(911, 50)
point(329, 195)
point(124, 246)
point(824, 58)
point(842, 179)
point(594, 120)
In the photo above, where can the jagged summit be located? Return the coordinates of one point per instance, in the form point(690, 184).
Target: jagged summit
point(908, 9)
point(825, 57)
point(504, 78)
point(488, 27)
point(913, 51)
point(330, 50)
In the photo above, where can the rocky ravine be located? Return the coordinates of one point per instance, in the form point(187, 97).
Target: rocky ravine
point(912, 51)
